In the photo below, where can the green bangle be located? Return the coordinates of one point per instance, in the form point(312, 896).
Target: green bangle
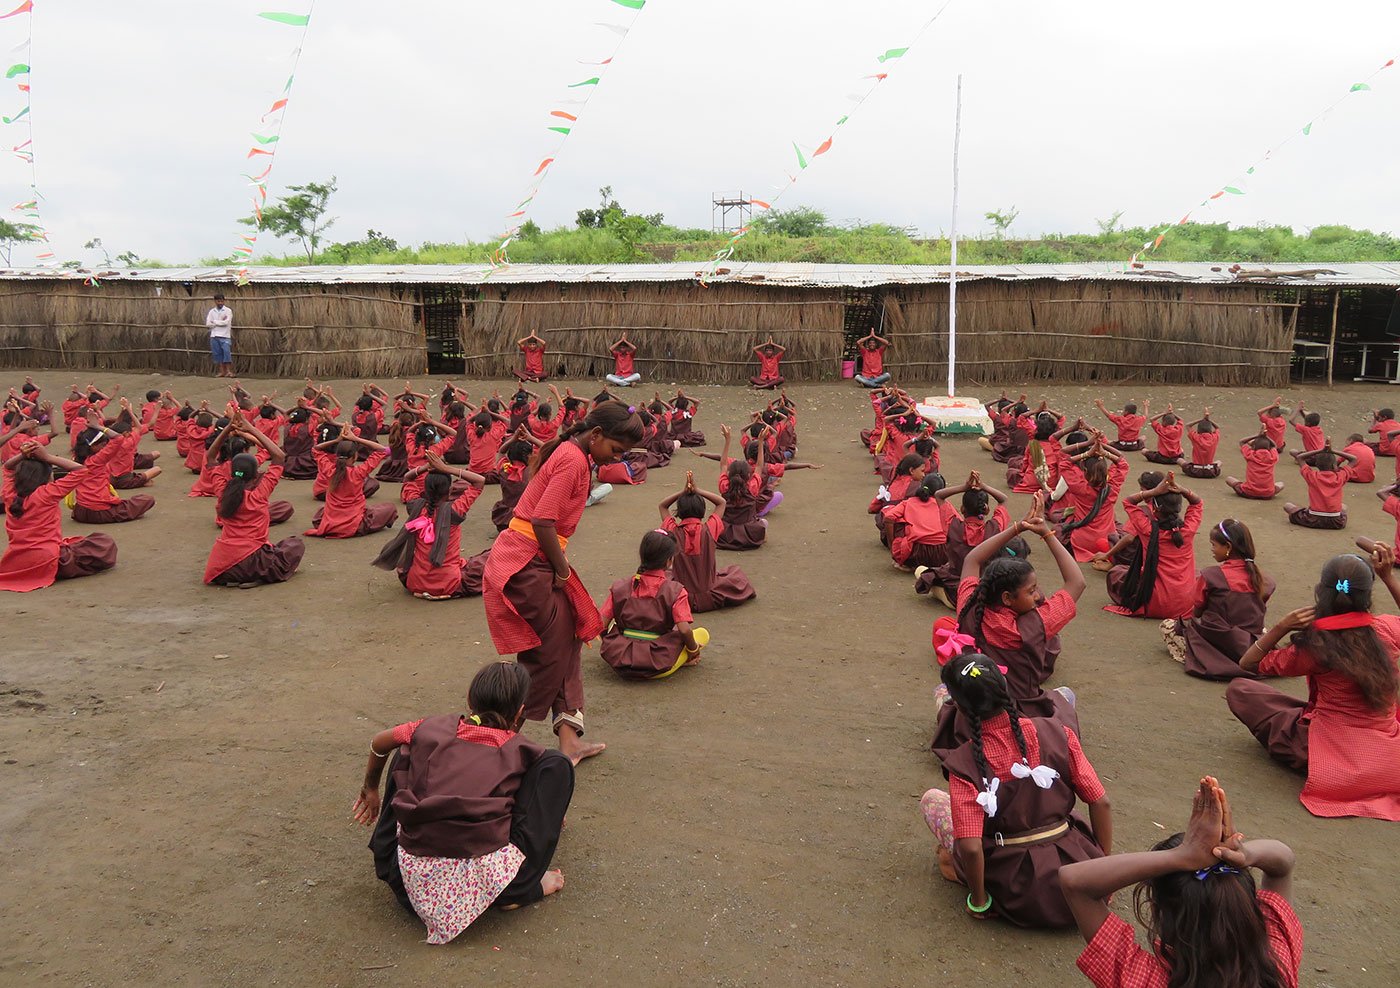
point(979, 910)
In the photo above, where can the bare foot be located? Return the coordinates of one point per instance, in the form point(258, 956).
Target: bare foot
point(552, 881)
point(574, 747)
point(1289, 507)
point(945, 865)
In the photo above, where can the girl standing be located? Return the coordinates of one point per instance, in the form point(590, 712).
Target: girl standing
point(1206, 921)
point(536, 606)
point(427, 553)
point(242, 556)
point(472, 812)
point(346, 515)
point(647, 625)
point(37, 553)
point(694, 566)
point(1006, 825)
point(1228, 614)
point(1160, 583)
point(1345, 736)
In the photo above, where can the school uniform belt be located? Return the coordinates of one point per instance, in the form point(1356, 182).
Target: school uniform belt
point(1034, 836)
point(526, 529)
point(1324, 514)
point(641, 636)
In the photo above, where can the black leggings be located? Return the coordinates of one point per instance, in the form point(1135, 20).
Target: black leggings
point(536, 822)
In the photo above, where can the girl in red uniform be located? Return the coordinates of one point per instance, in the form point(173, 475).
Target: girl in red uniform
point(1345, 735)
point(744, 526)
point(918, 526)
point(1039, 467)
point(1260, 455)
point(270, 420)
point(346, 515)
point(1169, 429)
point(167, 411)
point(1228, 614)
point(1309, 428)
point(533, 349)
point(393, 469)
point(1129, 423)
point(1325, 473)
point(1206, 922)
point(427, 554)
point(486, 431)
point(242, 555)
point(1205, 441)
point(1094, 475)
point(977, 521)
point(683, 411)
point(196, 433)
point(1363, 469)
point(624, 354)
point(512, 473)
point(1008, 439)
point(95, 502)
point(1390, 504)
point(648, 630)
point(122, 467)
point(536, 605)
point(37, 553)
point(1161, 582)
point(472, 812)
point(299, 444)
point(1006, 825)
point(1273, 422)
point(1001, 607)
point(769, 374)
point(908, 475)
point(1382, 423)
point(694, 565)
point(427, 437)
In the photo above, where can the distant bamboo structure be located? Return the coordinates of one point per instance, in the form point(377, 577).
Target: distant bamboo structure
point(289, 331)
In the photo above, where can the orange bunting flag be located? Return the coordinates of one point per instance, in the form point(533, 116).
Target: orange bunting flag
point(1183, 220)
point(280, 104)
point(257, 211)
point(515, 214)
point(1158, 242)
point(543, 165)
point(265, 172)
point(878, 76)
point(759, 203)
point(1218, 194)
point(822, 148)
point(23, 8)
point(562, 114)
point(253, 151)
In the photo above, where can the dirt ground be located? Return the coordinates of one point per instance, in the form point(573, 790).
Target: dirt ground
point(179, 761)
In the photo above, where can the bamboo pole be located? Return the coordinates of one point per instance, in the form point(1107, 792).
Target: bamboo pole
point(1332, 346)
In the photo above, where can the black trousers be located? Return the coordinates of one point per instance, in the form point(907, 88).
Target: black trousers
point(536, 823)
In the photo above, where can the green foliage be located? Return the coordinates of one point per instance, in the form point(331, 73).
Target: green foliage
point(14, 233)
point(1001, 220)
point(300, 216)
point(598, 219)
point(800, 221)
point(357, 251)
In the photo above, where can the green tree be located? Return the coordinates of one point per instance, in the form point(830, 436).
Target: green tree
point(14, 233)
point(1109, 225)
point(800, 221)
point(1001, 220)
point(300, 216)
point(597, 219)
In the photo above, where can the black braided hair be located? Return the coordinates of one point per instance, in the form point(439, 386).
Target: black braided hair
point(999, 576)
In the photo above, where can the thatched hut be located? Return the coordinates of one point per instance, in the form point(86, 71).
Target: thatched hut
point(1178, 324)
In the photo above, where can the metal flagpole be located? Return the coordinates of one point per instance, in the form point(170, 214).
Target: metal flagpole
point(953, 262)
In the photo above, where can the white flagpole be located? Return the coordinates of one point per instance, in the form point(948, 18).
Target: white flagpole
point(953, 262)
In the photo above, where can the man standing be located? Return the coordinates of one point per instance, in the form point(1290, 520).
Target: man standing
point(220, 323)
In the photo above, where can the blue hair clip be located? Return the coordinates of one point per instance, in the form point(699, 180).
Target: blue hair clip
point(1216, 869)
point(1343, 586)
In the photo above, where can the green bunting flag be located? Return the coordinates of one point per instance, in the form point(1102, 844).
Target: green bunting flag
point(1234, 191)
point(801, 161)
point(892, 53)
point(1358, 87)
point(632, 4)
point(295, 20)
point(1307, 130)
point(842, 120)
point(586, 82)
point(19, 68)
point(266, 140)
point(1249, 170)
point(17, 116)
point(560, 130)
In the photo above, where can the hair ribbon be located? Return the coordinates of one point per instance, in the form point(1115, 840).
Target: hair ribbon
point(1042, 775)
point(1344, 586)
point(987, 798)
point(1216, 869)
point(948, 643)
point(423, 525)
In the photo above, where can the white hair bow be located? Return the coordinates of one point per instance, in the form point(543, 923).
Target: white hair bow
point(883, 493)
point(1042, 775)
point(987, 798)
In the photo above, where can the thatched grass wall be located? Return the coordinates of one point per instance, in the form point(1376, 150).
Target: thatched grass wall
point(1093, 331)
point(279, 330)
point(683, 331)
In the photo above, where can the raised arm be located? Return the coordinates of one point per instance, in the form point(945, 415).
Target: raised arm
point(274, 452)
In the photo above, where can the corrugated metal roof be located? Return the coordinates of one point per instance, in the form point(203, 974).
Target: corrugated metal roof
point(783, 274)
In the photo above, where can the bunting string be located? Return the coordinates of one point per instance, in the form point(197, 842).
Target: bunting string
point(563, 124)
point(18, 124)
point(262, 151)
point(806, 156)
point(1238, 185)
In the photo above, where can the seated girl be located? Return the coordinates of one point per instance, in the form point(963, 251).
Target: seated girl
point(1002, 609)
point(346, 514)
point(1205, 441)
point(512, 473)
point(1129, 424)
point(1169, 429)
point(1160, 582)
point(37, 554)
point(967, 529)
point(624, 354)
point(744, 526)
point(918, 526)
point(427, 553)
point(647, 624)
point(1325, 473)
point(393, 469)
point(242, 556)
point(95, 500)
point(1345, 735)
point(1273, 422)
point(1228, 614)
point(1008, 439)
point(1308, 425)
point(1093, 473)
point(1363, 468)
point(298, 446)
point(1007, 825)
point(1260, 455)
point(693, 567)
point(769, 356)
point(682, 419)
point(472, 812)
point(1206, 921)
point(533, 348)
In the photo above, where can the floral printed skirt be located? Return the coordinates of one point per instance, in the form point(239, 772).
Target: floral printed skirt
point(450, 893)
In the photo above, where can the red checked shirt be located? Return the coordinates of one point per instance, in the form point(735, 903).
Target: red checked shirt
point(999, 623)
point(466, 731)
point(999, 747)
point(1113, 958)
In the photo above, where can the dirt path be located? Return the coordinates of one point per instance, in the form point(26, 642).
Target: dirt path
point(179, 761)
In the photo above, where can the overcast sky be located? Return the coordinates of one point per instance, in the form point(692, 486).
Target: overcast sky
point(432, 113)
